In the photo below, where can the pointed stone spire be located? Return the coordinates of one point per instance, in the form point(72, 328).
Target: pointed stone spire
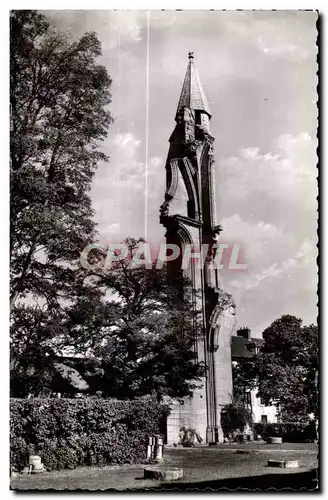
point(192, 94)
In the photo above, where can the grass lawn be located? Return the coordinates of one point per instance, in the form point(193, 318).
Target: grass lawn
point(204, 467)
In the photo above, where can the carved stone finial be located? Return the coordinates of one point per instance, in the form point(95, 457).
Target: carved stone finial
point(164, 208)
point(217, 229)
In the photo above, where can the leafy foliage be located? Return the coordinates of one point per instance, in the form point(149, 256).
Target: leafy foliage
point(134, 320)
point(291, 432)
point(188, 436)
point(137, 323)
point(287, 367)
point(244, 376)
point(235, 418)
point(147, 341)
point(59, 98)
point(67, 433)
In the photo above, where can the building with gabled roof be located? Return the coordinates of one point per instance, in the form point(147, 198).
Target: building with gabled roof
point(245, 347)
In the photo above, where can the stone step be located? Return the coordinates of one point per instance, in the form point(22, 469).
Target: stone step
point(275, 440)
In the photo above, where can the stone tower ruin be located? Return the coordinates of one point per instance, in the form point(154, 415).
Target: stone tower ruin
point(188, 214)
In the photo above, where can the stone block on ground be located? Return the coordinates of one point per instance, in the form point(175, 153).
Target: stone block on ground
point(275, 440)
point(291, 464)
point(163, 473)
point(38, 470)
point(284, 464)
point(35, 461)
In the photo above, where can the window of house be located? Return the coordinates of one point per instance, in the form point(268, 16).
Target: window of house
point(264, 419)
point(248, 398)
point(262, 401)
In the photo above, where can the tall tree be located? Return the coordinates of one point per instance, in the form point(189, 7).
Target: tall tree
point(245, 379)
point(287, 366)
point(59, 98)
point(144, 329)
point(140, 326)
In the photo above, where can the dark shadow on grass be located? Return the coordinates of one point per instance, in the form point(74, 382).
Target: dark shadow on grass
point(301, 481)
point(306, 481)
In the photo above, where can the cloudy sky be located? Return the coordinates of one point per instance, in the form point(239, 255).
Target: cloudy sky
point(258, 70)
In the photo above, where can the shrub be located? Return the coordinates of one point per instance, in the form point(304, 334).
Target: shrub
point(293, 432)
point(67, 433)
point(188, 436)
point(234, 418)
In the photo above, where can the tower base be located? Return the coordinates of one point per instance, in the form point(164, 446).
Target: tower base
point(189, 413)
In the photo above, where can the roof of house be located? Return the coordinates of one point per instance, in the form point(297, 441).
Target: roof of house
point(243, 347)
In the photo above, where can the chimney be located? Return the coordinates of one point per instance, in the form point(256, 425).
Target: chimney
point(244, 332)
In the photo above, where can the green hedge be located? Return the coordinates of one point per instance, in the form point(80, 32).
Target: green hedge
point(67, 433)
point(291, 432)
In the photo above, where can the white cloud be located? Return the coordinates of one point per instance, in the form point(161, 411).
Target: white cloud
point(116, 28)
point(249, 152)
point(272, 183)
point(287, 34)
point(123, 27)
point(288, 49)
point(119, 190)
point(127, 144)
point(115, 227)
point(129, 26)
point(258, 70)
point(274, 198)
point(290, 271)
point(155, 161)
